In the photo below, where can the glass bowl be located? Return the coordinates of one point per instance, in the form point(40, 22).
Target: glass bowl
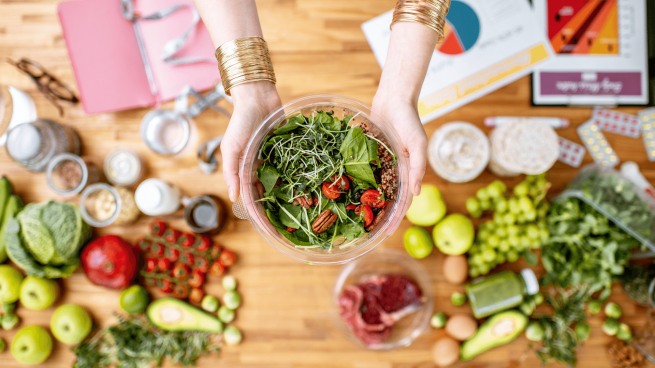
point(249, 206)
point(386, 261)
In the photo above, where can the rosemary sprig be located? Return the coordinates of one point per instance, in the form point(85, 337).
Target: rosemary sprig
point(135, 343)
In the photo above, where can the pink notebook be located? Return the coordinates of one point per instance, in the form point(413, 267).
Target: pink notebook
point(109, 68)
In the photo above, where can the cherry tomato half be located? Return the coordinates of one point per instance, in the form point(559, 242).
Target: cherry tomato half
point(331, 193)
point(340, 182)
point(290, 229)
point(351, 207)
point(366, 213)
point(372, 198)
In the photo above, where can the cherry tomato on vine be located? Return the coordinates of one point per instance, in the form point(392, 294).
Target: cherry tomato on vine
point(166, 286)
point(181, 271)
point(227, 258)
point(164, 264)
point(151, 265)
point(196, 280)
point(217, 269)
point(181, 291)
point(372, 198)
point(196, 295)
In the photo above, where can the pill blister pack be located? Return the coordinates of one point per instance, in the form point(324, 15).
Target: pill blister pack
point(597, 144)
point(647, 119)
point(617, 122)
point(570, 153)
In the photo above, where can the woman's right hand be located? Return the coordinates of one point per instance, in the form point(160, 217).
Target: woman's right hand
point(252, 102)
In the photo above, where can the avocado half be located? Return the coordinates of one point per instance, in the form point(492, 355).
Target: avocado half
point(499, 329)
point(171, 314)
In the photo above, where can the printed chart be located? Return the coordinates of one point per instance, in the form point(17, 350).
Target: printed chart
point(462, 29)
point(587, 27)
point(600, 53)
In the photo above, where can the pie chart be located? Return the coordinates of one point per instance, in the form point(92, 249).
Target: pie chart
point(461, 31)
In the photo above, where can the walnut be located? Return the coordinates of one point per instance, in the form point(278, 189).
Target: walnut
point(324, 221)
point(376, 220)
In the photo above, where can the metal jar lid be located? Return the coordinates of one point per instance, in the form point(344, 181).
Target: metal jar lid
point(166, 132)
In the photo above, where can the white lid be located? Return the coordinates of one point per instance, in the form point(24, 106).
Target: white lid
point(531, 282)
point(148, 196)
point(24, 142)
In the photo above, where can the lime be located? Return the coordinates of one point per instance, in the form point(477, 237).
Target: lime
point(418, 242)
point(134, 299)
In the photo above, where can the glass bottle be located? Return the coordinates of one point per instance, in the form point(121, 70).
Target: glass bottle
point(34, 144)
point(156, 197)
point(501, 291)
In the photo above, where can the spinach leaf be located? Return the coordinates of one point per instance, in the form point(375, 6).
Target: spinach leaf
point(283, 192)
point(355, 151)
point(373, 152)
point(293, 123)
point(268, 175)
point(288, 221)
point(352, 230)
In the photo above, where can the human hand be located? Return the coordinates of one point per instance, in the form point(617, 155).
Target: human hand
point(403, 116)
point(252, 102)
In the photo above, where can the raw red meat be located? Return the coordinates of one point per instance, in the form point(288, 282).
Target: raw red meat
point(372, 307)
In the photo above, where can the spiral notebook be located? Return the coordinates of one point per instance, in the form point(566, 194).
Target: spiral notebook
point(113, 73)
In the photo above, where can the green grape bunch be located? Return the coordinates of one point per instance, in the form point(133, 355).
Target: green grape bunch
point(516, 223)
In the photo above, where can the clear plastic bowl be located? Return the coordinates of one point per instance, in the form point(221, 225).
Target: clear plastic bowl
point(249, 207)
point(386, 261)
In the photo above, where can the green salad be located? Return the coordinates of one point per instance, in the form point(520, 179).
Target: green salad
point(326, 182)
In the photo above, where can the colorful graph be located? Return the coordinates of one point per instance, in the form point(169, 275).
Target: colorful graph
point(588, 27)
point(462, 29)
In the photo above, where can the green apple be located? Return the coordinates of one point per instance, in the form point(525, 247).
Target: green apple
point(10, 280)
point(70, 324)
point(427, 208)
point(37, 293)
point(31, 345)
point(418, 242)
point(454, 235)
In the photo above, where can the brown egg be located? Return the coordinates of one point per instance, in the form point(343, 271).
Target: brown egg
point(461, 327)
point(445, 352)
point(455, 269)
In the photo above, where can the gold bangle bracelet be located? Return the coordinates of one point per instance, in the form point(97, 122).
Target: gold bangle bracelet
point(430, 13)
point(244, 60)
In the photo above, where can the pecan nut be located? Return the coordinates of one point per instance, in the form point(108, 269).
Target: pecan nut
point(324, 221)
point(376, 220)
point(303, 201)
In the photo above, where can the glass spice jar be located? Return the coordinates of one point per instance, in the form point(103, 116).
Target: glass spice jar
point(68, 174)
point(34, 144)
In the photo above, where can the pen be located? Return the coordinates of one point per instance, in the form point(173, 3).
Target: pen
point(555, 123)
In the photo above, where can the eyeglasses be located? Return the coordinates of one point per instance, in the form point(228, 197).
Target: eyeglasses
point(53, 89)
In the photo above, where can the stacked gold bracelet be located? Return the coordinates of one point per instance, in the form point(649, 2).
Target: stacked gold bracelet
point(244, 60)
point(430, 13)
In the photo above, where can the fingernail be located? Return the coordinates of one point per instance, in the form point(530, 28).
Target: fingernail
point(233, 194)
point(417, 189)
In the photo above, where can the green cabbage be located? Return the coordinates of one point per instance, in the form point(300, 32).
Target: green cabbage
point(45, 239)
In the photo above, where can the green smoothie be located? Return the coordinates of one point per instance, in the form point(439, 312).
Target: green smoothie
point(500, 292)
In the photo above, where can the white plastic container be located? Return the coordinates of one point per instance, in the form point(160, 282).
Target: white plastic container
point(458, 152)
point(156, 197)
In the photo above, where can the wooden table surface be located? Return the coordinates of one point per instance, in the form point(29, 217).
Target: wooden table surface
point(316, 46)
